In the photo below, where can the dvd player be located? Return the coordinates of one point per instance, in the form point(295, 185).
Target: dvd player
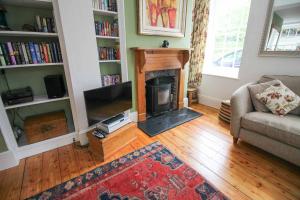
point(17, 96)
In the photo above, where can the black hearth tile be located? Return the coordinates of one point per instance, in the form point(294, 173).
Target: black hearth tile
point(156, 125)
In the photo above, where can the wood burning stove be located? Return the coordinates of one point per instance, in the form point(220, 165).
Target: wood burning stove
point(159, 95)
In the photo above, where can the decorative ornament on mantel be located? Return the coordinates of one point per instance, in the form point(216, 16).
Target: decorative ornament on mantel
point(165, 44)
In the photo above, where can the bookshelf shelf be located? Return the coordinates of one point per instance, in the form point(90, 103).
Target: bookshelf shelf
point(37, 100)
point(109, 61)
point(105, 12)
point(26, 34)
point(107, 37)
point(31, 65)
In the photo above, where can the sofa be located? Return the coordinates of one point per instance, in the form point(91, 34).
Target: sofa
point(277, 135)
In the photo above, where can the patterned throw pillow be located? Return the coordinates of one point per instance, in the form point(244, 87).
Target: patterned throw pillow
point(279, 99)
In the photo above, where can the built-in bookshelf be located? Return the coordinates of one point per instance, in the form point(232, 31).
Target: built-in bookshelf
point(110, 38)
point(29, 51)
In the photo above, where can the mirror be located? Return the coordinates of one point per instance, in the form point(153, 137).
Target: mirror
point(282, 30)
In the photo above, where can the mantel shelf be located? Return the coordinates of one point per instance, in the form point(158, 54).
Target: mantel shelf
point(161, 49)
point(37, 100)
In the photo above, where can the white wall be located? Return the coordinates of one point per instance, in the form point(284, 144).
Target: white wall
point(80, 47)
point(214, 89)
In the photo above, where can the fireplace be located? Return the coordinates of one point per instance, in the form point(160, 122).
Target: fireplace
point(159, 80)
point(159, 95)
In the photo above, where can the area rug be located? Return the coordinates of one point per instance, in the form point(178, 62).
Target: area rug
point(151, 173)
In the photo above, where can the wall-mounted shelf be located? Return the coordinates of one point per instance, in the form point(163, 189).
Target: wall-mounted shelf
point(31, 65)
point(105, 12)
point(29, 3)
point(26, 34)
point(107, 37)
point(36, 100)
point(109, 61)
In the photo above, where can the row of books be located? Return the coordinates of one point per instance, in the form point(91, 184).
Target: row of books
point(15, 53)
point(112, 79)
point(105, 28)
point(109, 53)
point(110, 5)
point(45, 24)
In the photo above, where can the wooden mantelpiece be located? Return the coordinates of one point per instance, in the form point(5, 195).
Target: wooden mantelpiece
point(157, 59)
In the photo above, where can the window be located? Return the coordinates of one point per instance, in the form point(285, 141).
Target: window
point(226, 33)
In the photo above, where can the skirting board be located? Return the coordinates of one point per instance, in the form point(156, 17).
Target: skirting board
point(40, 147)
point(8, 160)
point(209, 101)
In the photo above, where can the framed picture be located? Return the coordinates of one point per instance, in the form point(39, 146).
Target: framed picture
point(162, 17)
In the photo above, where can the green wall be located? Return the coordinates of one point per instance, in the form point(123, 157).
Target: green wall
point(133, 39)
point(2, 143)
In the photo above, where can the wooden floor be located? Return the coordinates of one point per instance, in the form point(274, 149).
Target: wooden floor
point(239, 171)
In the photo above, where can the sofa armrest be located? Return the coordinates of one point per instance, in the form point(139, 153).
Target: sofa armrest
point(240, 105)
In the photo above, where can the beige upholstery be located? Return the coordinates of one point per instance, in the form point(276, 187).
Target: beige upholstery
point(283, 129)
point(277, 135)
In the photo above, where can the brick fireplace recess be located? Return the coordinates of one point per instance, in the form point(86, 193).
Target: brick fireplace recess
point(160, 74)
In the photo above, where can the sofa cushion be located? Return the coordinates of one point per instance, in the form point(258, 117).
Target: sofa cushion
point(257, 89)
point(284, 129)
point(291, 82)
point(279, 99)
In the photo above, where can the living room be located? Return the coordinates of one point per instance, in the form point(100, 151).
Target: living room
point(149, 99)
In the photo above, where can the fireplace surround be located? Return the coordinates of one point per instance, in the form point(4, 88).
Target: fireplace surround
point(150, 62)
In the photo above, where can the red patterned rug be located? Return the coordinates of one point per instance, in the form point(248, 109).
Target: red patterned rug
point(151, 173)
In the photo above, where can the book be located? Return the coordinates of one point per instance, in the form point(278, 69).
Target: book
point(16, 53)
point(5, 53)
point(22, 57)
point(45, 51)
point(42, 52)
point(2, 60)
point(32, 52)
point(37, 53)
point(49, 25)
point(44, 24)
point(38, 23)
point(59, 52)
point(49, 53)
point(11, 53)
point(28, 53)
point(55, 56)
point(25, 53)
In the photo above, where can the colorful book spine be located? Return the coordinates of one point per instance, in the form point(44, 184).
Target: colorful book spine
point(32, 52)
point(11, 53)
point(49, 53)
point(5, 53)
point(28, 53)
point(21, 54)
point(24, 53)
point(38, 53)
point(2, 60)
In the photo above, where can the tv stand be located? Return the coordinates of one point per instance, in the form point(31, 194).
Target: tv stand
point(115, 122)
point(112, 143)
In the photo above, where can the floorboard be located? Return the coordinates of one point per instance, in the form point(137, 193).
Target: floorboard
point(240, 171)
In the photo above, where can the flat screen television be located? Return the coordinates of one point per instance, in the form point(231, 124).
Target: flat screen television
point(106, 102)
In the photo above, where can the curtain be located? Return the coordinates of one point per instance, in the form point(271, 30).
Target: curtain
point(198, 41)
